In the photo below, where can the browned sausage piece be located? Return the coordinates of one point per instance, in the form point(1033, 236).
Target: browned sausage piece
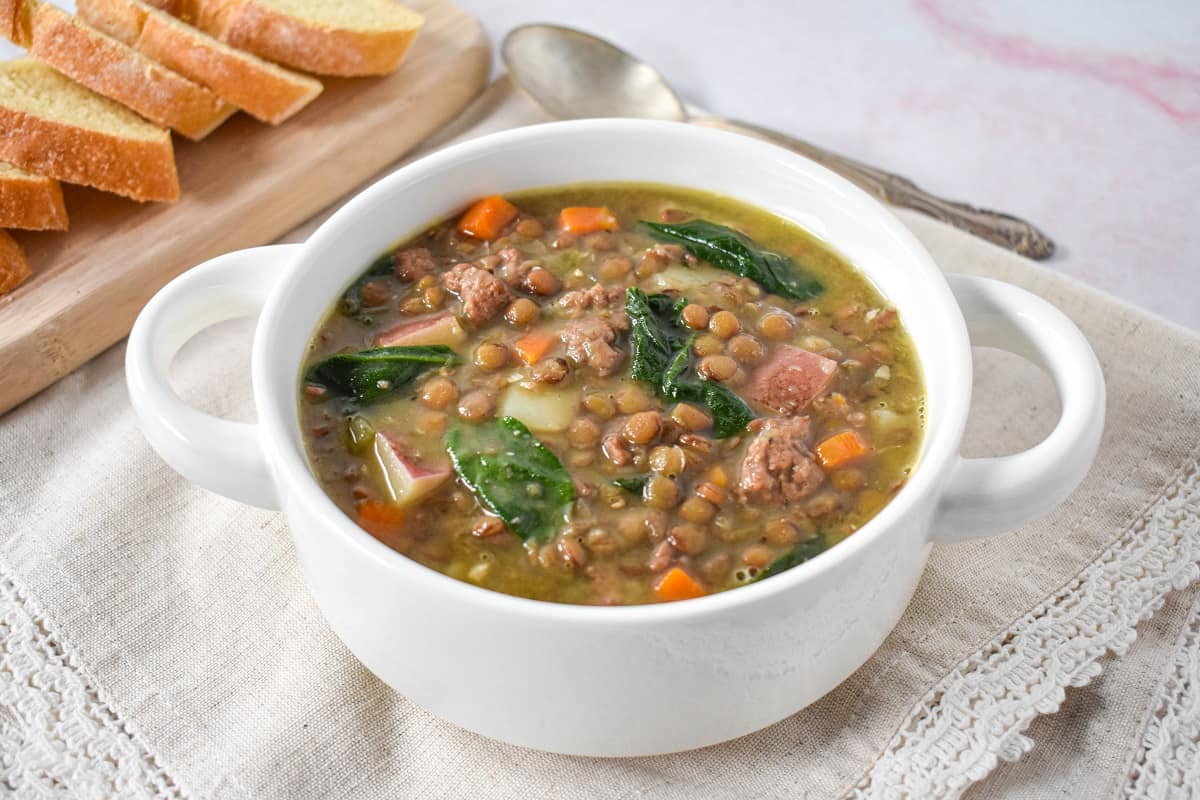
point(590, 341)
point(483, 295)
point(778, 466)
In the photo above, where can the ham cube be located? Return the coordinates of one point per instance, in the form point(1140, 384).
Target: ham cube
point(791, 379)
point(441, 329)
point(407, 481)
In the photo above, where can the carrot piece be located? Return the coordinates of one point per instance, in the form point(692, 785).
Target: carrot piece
point(841, 448)
point(487, 218)
point(379, 518)
point(677, 585)
point(532, 346)
point(586, 219)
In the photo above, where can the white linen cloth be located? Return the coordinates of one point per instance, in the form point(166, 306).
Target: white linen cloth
point(159, 641)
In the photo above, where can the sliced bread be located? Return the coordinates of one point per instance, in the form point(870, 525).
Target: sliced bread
point(10, 11)
point(55, 127)
point(31, 202)
point(14, 269)
point(329, 37)
point(117, 71)
point(264, 90)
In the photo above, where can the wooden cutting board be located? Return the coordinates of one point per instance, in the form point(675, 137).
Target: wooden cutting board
point(245, 185)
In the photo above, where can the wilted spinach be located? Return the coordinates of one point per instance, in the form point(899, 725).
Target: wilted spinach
point(513, 474)
point(802, 552)
point(727, 249)
point(662, 356)
point(369, 375)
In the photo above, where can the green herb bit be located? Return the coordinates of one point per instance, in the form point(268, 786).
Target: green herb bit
point(514, 475)
point(634, 484)
point(369, 375)
point(727, 249)
point(802, 552)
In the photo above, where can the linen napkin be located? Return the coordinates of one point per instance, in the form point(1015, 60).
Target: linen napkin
point(159, 641)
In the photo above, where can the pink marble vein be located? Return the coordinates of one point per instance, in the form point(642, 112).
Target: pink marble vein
point(1171, 88)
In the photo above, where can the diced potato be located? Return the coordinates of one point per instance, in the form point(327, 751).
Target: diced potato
point(544, 411)
point(686, 279)
point(884, 420)
point(406, 480)
point(442, 329)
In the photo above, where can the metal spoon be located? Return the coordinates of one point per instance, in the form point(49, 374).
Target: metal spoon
point(574, 75)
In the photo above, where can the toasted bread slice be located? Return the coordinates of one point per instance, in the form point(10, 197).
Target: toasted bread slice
point(329, 37)
point(117, 71)
point(14, 269)
point(264, 90)
point(31, 202)
point(57, 128)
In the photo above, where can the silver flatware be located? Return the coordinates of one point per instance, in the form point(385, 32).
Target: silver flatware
point(575, 75)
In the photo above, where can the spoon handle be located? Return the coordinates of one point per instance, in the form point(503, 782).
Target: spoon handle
point(1002, 229)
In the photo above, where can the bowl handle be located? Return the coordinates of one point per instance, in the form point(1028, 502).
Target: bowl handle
point(222, 456)
point(989, 495)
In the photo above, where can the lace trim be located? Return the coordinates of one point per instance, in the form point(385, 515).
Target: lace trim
point(58, 735)
point(1168, 762)
point(979, 712)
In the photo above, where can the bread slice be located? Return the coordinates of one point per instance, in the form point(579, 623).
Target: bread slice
point(264, 90)
point(329, 37)
point(31, 202)
point(10, 12)
point(57, 128)
point(14, 269)
point(117, 71)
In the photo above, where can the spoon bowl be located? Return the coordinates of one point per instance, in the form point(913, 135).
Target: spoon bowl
point(573, 75)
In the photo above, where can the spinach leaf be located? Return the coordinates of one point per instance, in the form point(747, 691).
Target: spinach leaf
point(513, 474)
point(351, 302)
point(371, 374)
point(634, 484)
point(730, 413)
point(735, 252)
point(802, 552)
point(662, 356)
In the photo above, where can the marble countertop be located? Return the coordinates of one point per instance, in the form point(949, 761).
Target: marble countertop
point(1082, 117)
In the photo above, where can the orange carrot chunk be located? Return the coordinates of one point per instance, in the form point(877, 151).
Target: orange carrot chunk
point(586, 219)
point(677, 585)
point(379, 518)
point(531, 347)
point(487, 218)
point(841, 449)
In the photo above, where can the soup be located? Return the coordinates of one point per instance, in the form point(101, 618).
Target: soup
point(611, 394)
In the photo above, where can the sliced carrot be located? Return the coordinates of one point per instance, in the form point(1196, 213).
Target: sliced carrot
point(532, 346)
point(841, 449)
point(379, 518)
point(586, 219)
point(677, 585)
point(487, 218)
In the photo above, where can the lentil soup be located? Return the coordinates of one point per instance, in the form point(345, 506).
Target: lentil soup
point(611, 394)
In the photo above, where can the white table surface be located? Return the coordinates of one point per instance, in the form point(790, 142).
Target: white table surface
point(1083, 117)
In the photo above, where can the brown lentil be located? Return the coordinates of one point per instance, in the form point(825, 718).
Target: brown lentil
point(695, 316)
point(438, 392)
point(643, 427)
point(724, 324)
point(522, 312)
point(717, 368)
point(491, 356)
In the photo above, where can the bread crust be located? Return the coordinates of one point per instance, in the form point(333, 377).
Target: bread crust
point(139, 169)
point(113, 69)
point(14, 269)
point(32, 203)
point(298, 43)
point(265, 91)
